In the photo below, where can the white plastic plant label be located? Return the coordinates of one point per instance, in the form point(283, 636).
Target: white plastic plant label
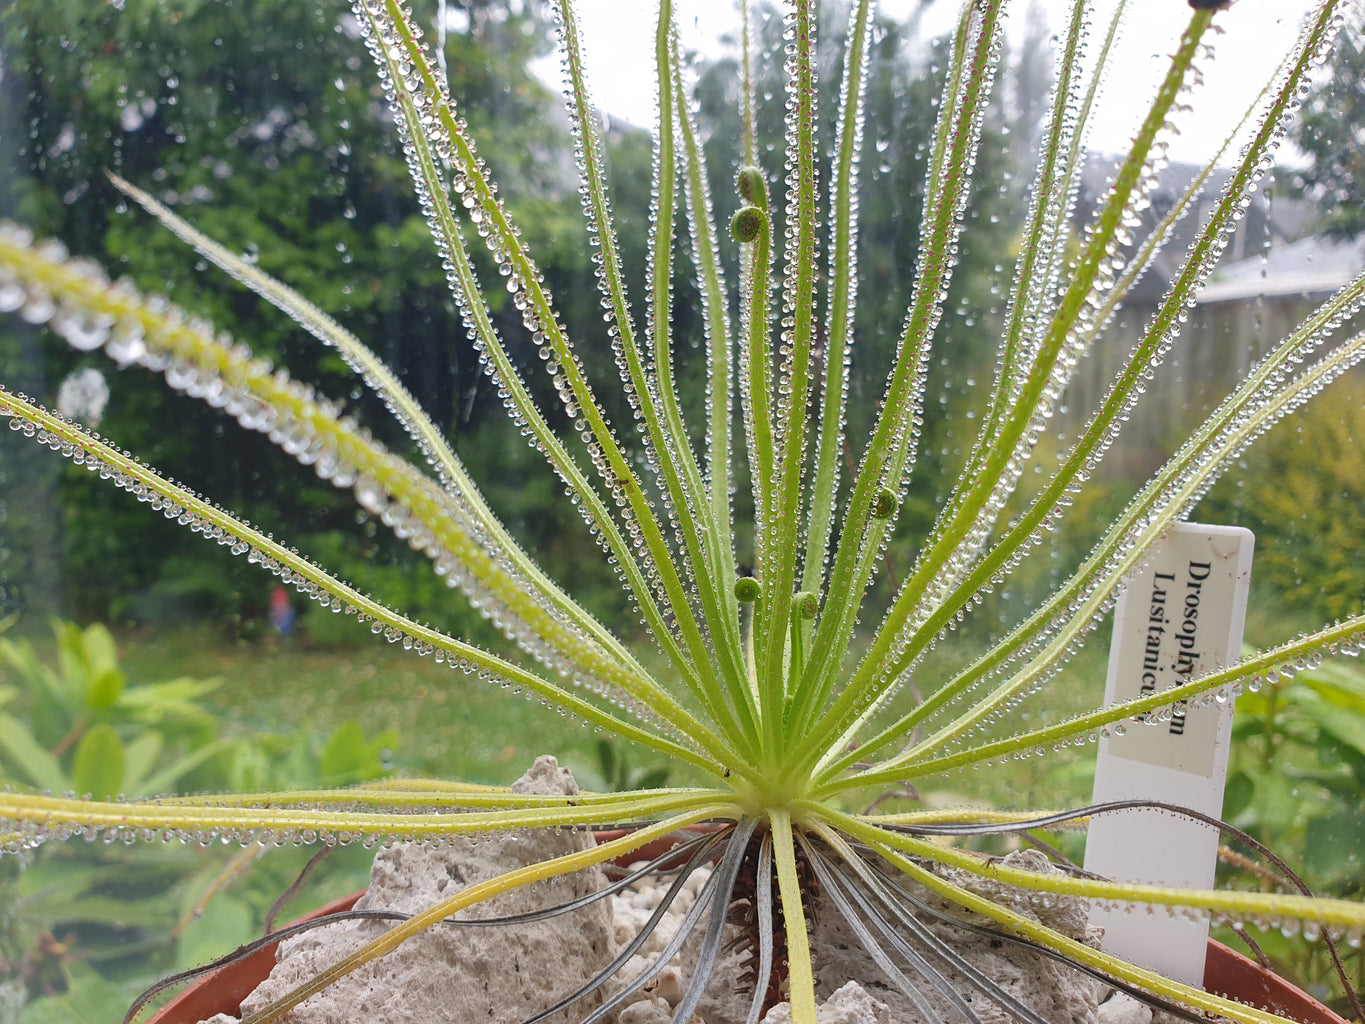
point(1179, 618)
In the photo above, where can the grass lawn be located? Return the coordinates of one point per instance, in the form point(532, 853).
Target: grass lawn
point(449, 724)
point(452, 725)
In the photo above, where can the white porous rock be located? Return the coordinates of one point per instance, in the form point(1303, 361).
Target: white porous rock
point(667, 985)
point(647, 1011)
point(1121, 1008)
point(493, 975)
point(1061, 995)
point(630, 912)
point(849, 1004)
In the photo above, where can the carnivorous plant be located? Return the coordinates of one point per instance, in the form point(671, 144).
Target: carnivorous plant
point(773, 682)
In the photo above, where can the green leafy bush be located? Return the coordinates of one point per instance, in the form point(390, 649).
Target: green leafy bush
point(82, 921)
point(1295, 782)
point(85, 729)
point(1301, 490)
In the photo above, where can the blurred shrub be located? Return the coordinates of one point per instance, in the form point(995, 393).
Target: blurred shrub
point(1301, 489)
point(1294, 782)
point(84, 729)
point(87, 925)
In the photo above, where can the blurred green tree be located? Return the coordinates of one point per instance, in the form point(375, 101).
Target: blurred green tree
point(1304, 486)
point(1328, 131)
point(234, 114)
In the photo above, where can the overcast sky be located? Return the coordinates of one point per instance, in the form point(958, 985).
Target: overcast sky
point(1257, 33)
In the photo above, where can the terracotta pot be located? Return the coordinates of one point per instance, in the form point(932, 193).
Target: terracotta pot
point(1229, 973)
point(1226, 973)
point(224, 989)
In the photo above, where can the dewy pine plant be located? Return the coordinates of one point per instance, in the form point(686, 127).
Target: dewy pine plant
point(761, 682)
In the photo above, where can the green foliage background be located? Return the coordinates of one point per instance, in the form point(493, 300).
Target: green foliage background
point(235, 113)
point(1302, 488)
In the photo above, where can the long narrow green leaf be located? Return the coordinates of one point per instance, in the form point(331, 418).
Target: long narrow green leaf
point(712, 562)
point(416, 795)
point(718, 530)
point(177, 502)
point(794, 375)
point(843, 297)
point(794, 912)
point(752, 228)
point(35, 818)
point(411, 78)
point(494, 537)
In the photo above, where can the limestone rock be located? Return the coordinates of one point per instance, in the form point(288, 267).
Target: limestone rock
point(849, 1004)
point(1121, 1008)
point(505, 975)
point(500, 975)
point(647, 1011)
